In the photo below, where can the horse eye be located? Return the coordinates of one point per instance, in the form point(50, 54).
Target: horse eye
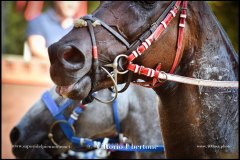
point(148, 2)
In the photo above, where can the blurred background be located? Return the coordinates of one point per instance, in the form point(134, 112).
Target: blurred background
point(25, 78)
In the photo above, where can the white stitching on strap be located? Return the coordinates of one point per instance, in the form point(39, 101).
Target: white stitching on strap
point(173, 13)
point(74, 117)
point(75, 114)
point(153, 72)
point(149, 72)
point(183, 15)
point(136, 69)
point(82, 141)
point(164, 24)
point(140, 68)
point(148, 42)
point(138, 52)
point(181, 25)
point(135, 54)
point(145, 45)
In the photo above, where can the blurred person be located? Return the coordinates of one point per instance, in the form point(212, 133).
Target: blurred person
point(50, 26)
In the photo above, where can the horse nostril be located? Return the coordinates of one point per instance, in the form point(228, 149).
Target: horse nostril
point(72, 57)
point(14, 135)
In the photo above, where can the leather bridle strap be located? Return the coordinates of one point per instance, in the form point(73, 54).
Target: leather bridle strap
point(116, 34)
point(149, 72)
point(151, 30)
point(94, 51)
point(89, 19)
point(183, 16)
point(112, 31)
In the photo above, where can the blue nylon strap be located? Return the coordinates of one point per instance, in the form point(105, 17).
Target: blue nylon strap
point(111, 140)
point(77, 110)
point(75, 140)
point(55, 111)
point(115, 116)
point(65, 105)
point(87, 142)
point(51, 105)
point(53, 108)
point(67, 130)
point(71, 121)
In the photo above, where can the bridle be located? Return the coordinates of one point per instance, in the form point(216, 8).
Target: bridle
point(90, 21)
point(68, 129)
point(138, 47)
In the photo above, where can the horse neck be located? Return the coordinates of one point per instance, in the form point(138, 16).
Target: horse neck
point(196, 116)
point(141, 125)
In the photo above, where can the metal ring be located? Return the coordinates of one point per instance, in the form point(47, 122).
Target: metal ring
point(50, 135)
point(115, 64)
point(163, 80)
point(115, 89)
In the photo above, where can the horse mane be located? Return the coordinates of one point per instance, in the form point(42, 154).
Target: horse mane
point(233, 53)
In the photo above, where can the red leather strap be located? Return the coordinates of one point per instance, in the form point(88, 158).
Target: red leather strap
point(180, 37)
point(149, 72)
point(140, 49)
point(167, 20)
point(155, 79)
point(83, 107)
point(155, 34)
point(95, 53)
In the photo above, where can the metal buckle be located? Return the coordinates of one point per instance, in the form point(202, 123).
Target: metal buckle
point(177, 7)
point(153, 27)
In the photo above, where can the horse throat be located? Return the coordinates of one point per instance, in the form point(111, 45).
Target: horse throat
point(201, 121)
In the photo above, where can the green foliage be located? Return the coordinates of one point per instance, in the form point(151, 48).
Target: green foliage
point(92, 5)
point(227, 12)
point(14, 33)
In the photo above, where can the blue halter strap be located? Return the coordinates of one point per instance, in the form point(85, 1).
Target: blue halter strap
point(57, 113)
point(115, 116)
